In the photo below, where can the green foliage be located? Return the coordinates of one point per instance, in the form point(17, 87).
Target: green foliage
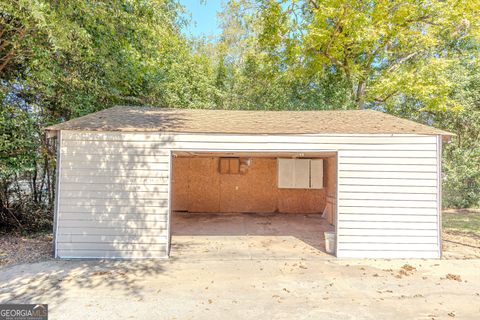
point(259, 61)
point(462, 156)
point(18, 141)
point(114, 52)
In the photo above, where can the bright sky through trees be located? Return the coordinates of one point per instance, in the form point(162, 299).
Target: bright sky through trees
point(204, 17)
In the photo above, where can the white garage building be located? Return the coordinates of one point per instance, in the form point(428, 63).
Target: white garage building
point(122, 172)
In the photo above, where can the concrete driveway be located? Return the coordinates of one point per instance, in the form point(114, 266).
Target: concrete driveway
point(183, 288)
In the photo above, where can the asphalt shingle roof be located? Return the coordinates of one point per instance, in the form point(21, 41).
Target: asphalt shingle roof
point(125, 118)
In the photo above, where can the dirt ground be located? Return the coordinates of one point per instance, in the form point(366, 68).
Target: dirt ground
point(16, 249)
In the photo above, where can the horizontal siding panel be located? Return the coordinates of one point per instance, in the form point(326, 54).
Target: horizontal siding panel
point(111, 246)
point(118, 223)
point(235, 138)
point(119, 145)
point(388, 154)
point(386, 189)
point(387, 175)
point(146, 173)
point(112, 209)
point(387, 232)
point(387, 196)
point(388, 239)
point(258, 144)
point(387, 167)
point(117, 166)
point(84, 238)
point(95, 150)
point(388, 203)
point(302, 144)
point(150, 149)
point(115, 158)
point(387, 246)
point(88, 180)
point(137, 195)
point(388, 254)
point(115, 187)
point(388, 182)
point(85, 254)
point(380, 149)
point(112, 216)
point(387, 225)
point(332, 138)
point(113, 202)
point(387, 210)
point(373, 160)
point(113, 231)
point(387, 217)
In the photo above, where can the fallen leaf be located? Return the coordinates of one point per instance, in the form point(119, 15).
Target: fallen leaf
point(455, 277)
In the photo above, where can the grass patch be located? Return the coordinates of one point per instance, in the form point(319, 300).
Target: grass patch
point(465, 221)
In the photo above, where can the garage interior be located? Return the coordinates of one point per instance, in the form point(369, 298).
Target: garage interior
point(275, 205)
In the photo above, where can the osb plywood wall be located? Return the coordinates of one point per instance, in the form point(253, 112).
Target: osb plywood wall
point(330, 180)
point(198, 186)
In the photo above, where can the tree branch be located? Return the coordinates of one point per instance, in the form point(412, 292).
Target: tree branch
point(388, 96)
point(9, 56)
point(397, 63)
point(314, 4)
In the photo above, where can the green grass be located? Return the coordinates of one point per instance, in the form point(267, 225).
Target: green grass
point(465, 221)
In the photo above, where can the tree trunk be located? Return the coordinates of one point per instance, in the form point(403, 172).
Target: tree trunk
point(360, 95)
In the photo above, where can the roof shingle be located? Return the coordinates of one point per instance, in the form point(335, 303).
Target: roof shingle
point(123, 118)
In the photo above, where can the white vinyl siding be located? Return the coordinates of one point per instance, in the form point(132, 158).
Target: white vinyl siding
point(113, 198)
point(113, 201)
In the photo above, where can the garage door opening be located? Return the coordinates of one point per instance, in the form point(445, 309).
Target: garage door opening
point(252, 205)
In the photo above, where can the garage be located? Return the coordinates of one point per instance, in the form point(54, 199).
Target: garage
point(245, 204)
point(144, 182)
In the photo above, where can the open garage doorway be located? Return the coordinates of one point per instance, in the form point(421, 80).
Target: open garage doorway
point(252, 205)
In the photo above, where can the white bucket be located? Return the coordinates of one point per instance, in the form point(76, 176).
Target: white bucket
point(330, 242)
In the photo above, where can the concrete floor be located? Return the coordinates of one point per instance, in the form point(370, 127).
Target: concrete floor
point(227, 236)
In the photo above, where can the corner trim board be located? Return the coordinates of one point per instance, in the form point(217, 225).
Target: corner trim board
point(56, 209)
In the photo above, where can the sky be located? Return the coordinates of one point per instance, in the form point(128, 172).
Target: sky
point(204, 17)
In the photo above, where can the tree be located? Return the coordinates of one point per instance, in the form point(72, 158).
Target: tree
point(461, 158)
point(262, 71)
point(385, 49)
